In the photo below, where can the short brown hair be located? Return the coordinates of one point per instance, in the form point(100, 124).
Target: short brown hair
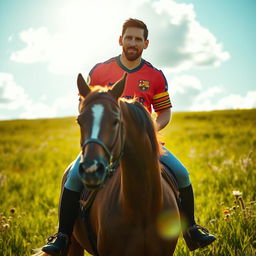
point(137, 24)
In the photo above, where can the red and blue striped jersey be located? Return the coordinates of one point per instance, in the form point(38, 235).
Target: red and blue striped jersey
point(144, 83)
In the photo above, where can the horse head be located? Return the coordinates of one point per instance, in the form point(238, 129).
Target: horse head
point(101, 128)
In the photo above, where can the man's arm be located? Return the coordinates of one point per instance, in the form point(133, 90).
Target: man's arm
point(163, 118)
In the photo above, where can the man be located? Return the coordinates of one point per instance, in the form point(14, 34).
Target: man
point(149, 86)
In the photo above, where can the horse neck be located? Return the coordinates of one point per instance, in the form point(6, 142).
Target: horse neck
point(140, 179)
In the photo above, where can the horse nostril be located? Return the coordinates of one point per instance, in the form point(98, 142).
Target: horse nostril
point(82, 171)
point(94, 168)
point(101, 168)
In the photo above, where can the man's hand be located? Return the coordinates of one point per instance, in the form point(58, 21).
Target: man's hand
point(163, 118)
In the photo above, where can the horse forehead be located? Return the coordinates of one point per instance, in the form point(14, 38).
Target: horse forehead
point(97, 110)
point(109, 106)
point(102, 106)
point(101, 101)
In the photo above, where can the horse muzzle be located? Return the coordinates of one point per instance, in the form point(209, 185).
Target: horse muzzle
point(93, 173)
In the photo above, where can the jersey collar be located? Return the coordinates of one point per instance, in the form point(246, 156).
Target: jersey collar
point(118, 60)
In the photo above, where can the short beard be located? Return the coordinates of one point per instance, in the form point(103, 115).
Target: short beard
point(132, 57)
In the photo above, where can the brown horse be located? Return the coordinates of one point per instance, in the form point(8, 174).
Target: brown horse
point(119, 137)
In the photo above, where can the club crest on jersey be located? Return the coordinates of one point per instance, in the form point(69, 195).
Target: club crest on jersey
point(144, 85)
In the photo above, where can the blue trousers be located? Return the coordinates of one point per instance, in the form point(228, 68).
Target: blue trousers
point(179, 170)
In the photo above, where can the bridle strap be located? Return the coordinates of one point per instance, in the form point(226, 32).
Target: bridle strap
point(99, 142)
point(112, 164)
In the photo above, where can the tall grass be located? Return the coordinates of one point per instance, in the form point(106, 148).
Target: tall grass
point(218, 148)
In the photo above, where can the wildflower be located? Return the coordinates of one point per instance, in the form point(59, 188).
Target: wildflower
point(12, 210)
point(234, 207)
point(6, 226)
point(213, 220)
point(226, 211)
point(237, 193)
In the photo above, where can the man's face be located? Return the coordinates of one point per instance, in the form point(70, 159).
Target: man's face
point(133, 43)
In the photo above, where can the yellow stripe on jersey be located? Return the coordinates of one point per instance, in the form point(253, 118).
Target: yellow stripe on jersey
point(161, 101)
point(159, 95)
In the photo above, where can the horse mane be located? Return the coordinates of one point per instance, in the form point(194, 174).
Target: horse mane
point(143, 122)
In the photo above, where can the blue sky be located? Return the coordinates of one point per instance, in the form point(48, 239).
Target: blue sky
point(205, 48)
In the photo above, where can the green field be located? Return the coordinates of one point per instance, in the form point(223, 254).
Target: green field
point(218, 148)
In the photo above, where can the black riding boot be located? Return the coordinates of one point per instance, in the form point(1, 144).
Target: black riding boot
point(193, 235)
point(68, 213)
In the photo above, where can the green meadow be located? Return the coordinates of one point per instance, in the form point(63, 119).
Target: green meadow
point(218, 148)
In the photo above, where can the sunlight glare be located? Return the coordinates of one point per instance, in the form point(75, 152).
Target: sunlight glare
point(94, 25)
point(169, 224)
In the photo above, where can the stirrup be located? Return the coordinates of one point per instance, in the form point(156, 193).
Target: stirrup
point(196, 226)
point(51, 238)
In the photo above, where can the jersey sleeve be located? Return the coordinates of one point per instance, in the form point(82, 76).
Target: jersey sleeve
point(161, 99)
point(93, 78)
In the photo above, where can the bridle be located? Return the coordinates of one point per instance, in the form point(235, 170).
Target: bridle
point(112, 164)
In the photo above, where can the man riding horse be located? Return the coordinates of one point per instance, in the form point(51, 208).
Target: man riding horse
point(147, 85)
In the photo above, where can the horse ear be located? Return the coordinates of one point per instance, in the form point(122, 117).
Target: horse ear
point(118, 87)
point(83, 88)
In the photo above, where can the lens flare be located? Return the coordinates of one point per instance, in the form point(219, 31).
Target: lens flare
point(169, 224)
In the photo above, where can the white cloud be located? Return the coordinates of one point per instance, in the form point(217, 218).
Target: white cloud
point(215, 99)
point(38, 43)
point(236, 101)
point(62, 106)
point(188, 93)
point(175, 12)
point(88, 34)
point(183, 90)
point(67, 104)
point(12, 96)
point(182, 83)
point(206, 99)
point(209, 93)
point(37, 110)
point(15, 102)
point(203, 46)
point(179, 42)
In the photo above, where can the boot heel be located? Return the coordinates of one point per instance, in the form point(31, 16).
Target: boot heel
point(192, 245)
